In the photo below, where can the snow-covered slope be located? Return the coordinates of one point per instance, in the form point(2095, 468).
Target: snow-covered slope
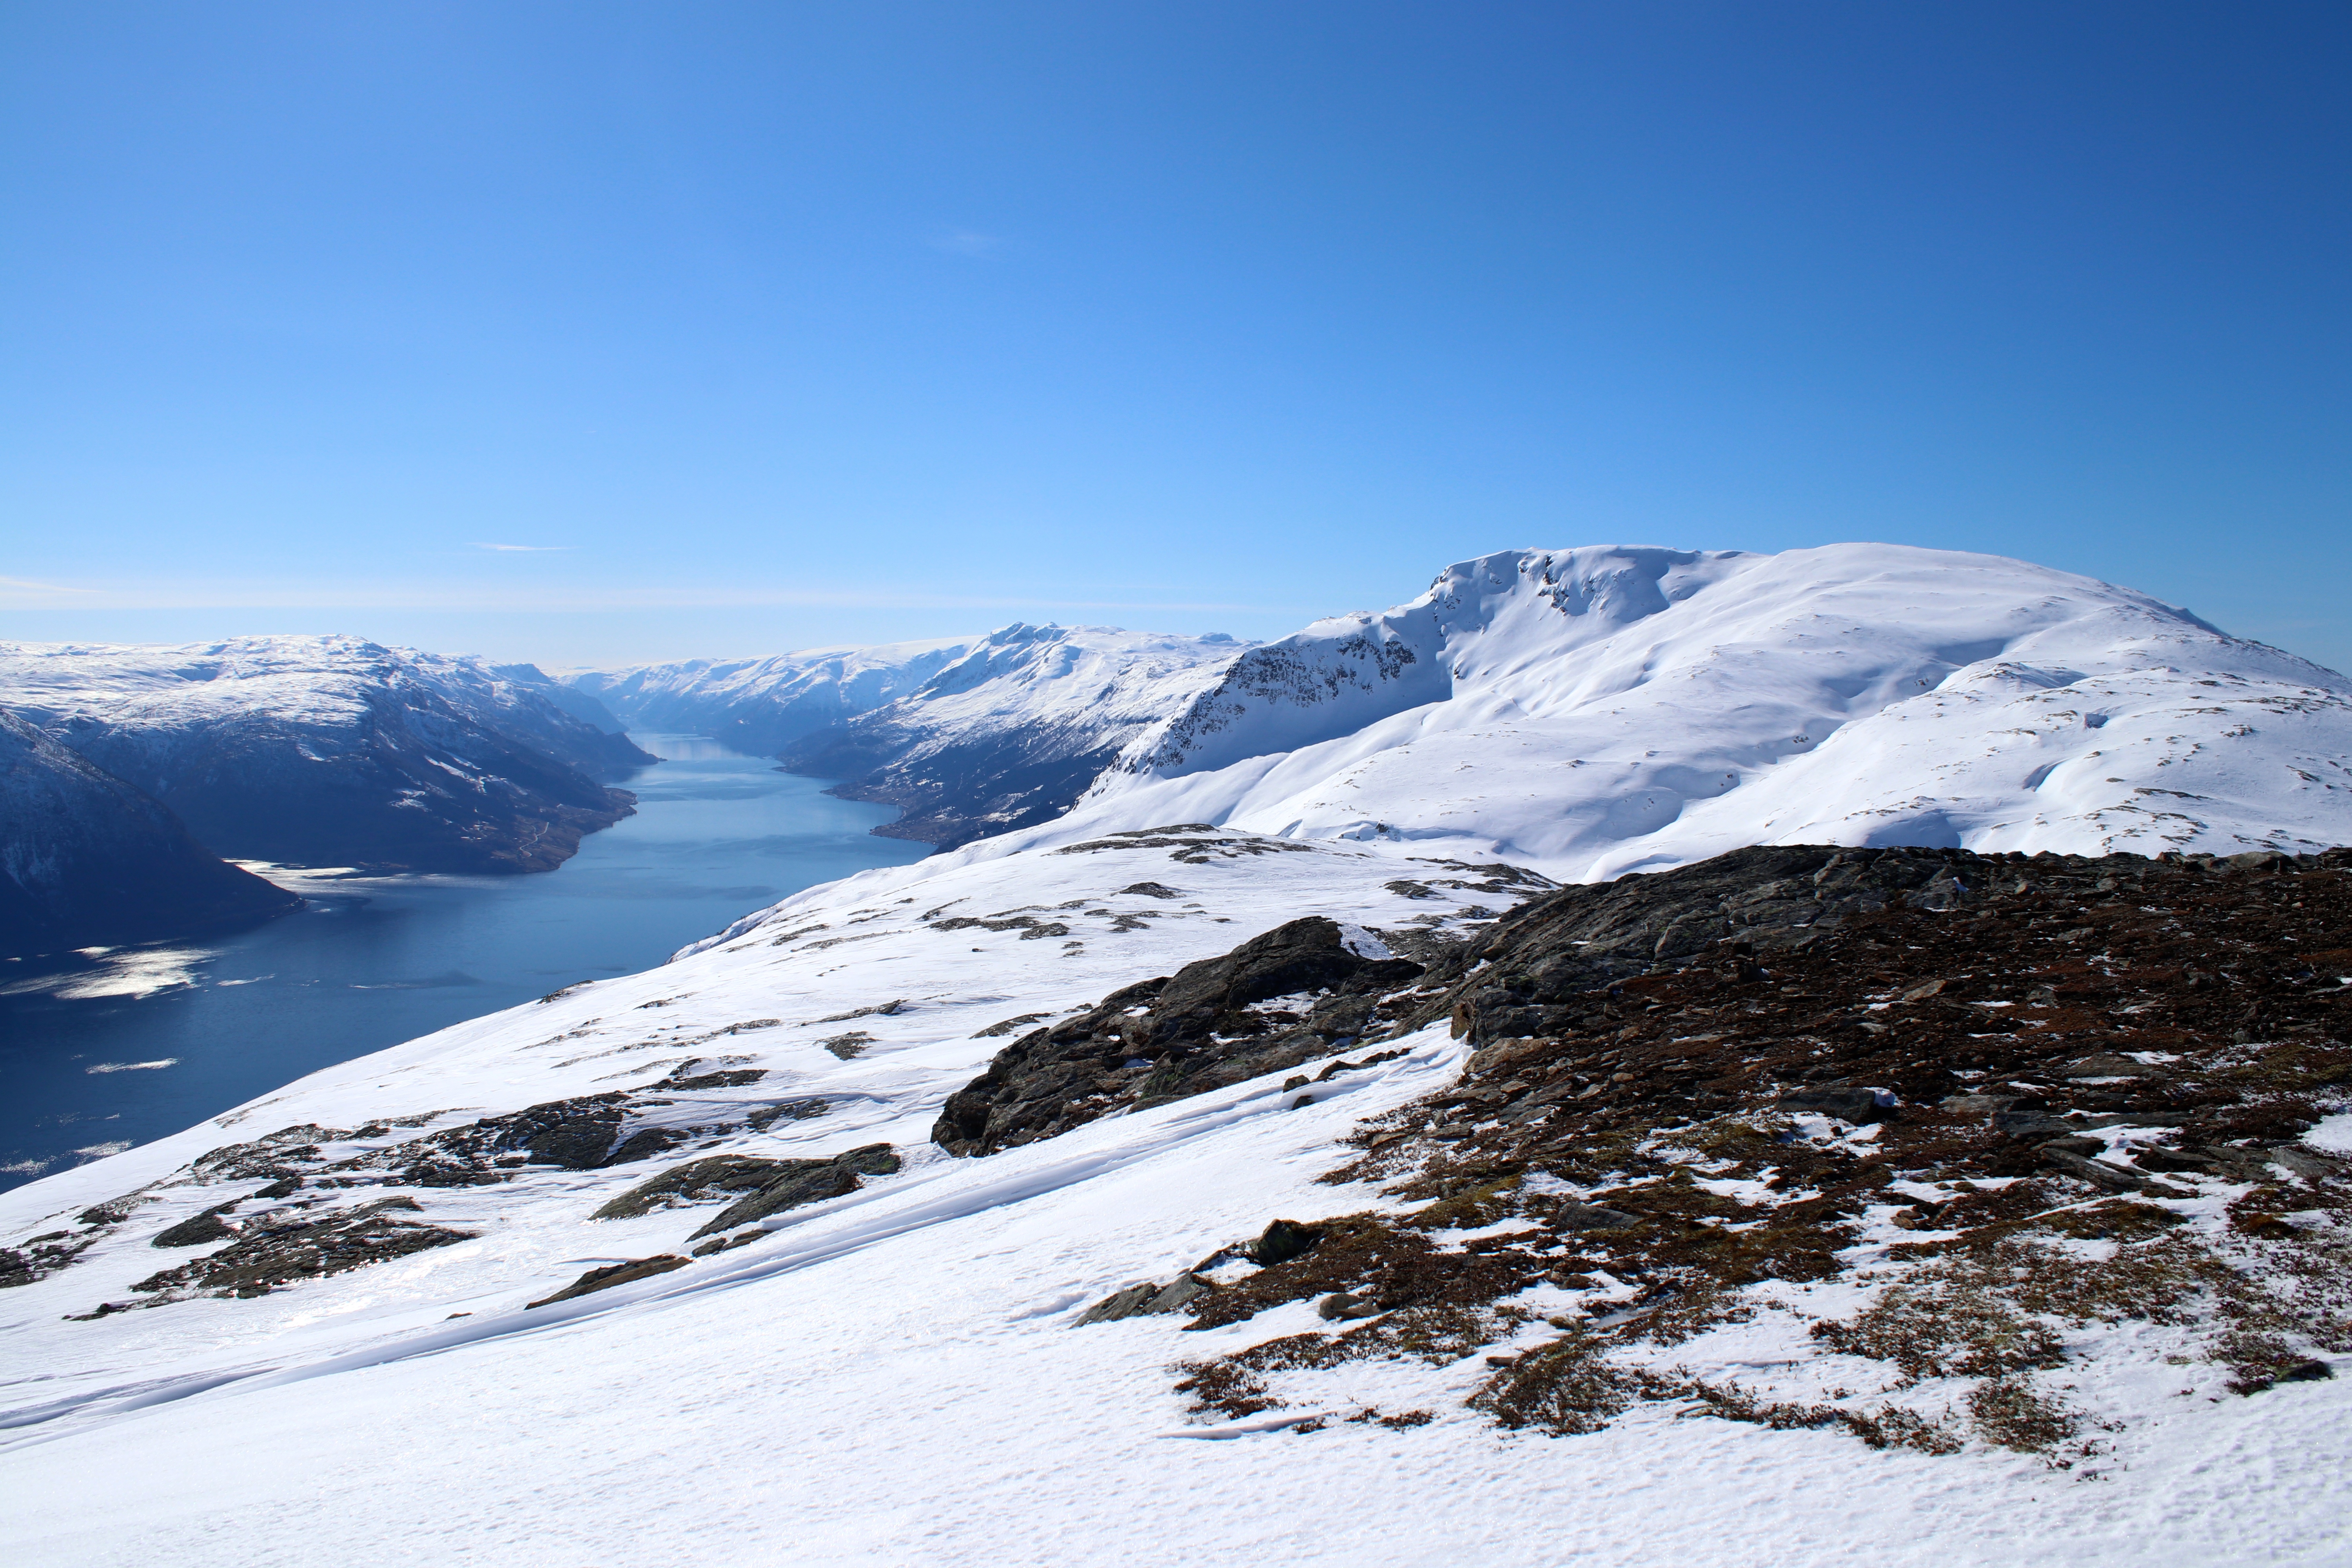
point(332, 751)
point(85, 859)
point(1598, 710)
point(1014, 729)
point(896, 1373)
point(762, 705)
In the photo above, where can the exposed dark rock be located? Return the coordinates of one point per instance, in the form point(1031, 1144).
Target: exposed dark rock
point(275, 1156)
point(732, 1079)
point(768, 1116)
point(1140, 1300)
point(1133, 1302)
point(2303, 1162)
point(1283, 1240)
point(1191, 842)
point(2031, 1124)
point(1738, 909)
point(196, 1229)
point(797, 1181)
point(1990, 998)
point(697, 1181)
point(578, 1134)
point(613, 1274)
point(584, 1133)
point(1006, 1026)
point(276, 1251)
point(719, 1244)
point(1858, 1106)
point(1164, 1039)
point(43, 1256)
point(114, 1211)
point(1150, 890)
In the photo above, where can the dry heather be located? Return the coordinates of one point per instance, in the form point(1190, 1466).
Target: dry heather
point(1946, 1161)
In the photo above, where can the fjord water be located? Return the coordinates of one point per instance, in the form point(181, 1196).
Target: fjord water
point(132, 1045)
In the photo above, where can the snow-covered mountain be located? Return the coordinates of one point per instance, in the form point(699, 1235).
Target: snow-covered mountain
point(1598, 710)
point(1014, 731)
point(87, 859)
point(762, 705)
point(1605, 709)
point(330, 750)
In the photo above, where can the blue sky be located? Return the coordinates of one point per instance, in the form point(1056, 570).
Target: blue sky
point(772, 324)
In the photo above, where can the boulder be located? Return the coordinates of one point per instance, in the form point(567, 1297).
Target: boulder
point(1203, 1028)
point(613, 1274)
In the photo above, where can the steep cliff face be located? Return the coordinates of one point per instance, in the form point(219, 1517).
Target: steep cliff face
point(330, 750)
point(87, 860)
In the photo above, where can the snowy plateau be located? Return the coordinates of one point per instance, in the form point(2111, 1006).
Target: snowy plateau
point(678, 1266)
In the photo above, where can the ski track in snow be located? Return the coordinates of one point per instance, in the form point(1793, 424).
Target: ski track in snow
point(892, 1377)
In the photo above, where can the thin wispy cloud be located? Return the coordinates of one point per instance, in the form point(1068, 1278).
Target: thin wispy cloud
point(13, 586)
point(521, 549)
point(966, 242)
point(184, 594)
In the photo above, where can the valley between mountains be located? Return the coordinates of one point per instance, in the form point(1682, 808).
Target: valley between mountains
point(1845, 1055)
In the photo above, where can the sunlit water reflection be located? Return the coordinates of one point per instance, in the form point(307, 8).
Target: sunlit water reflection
point(130, 1044)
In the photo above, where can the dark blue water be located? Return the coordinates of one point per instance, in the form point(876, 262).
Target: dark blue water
point(139, 1043)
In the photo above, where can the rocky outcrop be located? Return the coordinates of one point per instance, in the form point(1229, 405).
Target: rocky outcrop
point(87, 860)
point(610, 1275)
point(2001, 1103)
point(1534, 972)
point(759, 1186)
point(333, 752)
point(1299, 992)
point(288, 1246)
point(798, 1182)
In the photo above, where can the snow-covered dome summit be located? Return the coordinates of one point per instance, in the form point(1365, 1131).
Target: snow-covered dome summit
point(1611, 706)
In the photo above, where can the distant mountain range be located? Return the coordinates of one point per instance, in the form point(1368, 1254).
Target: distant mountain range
point(1595, 711)
point(312, 750)
point(1589, 711)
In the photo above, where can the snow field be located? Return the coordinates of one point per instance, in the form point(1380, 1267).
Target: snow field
point(918, 1394)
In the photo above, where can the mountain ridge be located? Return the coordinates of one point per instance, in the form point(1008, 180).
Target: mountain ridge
point(90, 860)
point(330, 750)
